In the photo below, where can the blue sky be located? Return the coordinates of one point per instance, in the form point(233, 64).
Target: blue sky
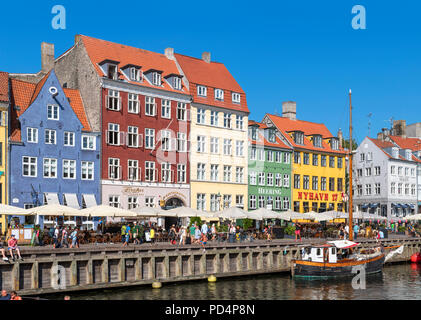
point(305, 51)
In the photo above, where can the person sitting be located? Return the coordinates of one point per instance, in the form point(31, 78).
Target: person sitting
point(4, 295)
point(3, 252)
point(14, 296)
point(13, 245)
point(203, 240)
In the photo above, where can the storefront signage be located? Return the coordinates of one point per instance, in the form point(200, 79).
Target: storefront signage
point(133, 190)
point(269, 191)
point(174, 195)
point(318, 196)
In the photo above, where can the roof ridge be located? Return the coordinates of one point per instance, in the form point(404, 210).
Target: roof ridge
point(199, 59)
point(322, 124)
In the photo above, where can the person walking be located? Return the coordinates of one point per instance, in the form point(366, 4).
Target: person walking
point(197, 235)
point(231, 233)
point(346, 229)
point(64, 236)
point(205, 228)
point(213, 231)
point(128, 235)
point(152, 234)
point(356, 230)
point(56, 236)
point(298, 231)
point(123, 233)
point(73, 236)
point(183, 235)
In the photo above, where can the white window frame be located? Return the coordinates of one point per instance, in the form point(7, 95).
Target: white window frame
point(49, 166)
point(181, 173)
point(166, 109)
point(150, 106)
point(133, 103)
point(88, 142)
point(30, 164)
point(236, 97)
point(70, 137)
point(114, 169)
point(55, 112)
point(219, 94)
point(133, 172)
point(113, 100)
point(70, 165)
point(51, 135)
point(202, 91)
point(149, 138)
point(87, 170)
point(32, 135)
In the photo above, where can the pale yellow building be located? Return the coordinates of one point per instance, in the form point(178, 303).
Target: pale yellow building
point(218, 135)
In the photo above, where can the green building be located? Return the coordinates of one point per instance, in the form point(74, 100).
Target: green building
point(269, 167)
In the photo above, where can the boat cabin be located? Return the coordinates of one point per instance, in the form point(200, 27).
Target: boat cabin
point(327, 253)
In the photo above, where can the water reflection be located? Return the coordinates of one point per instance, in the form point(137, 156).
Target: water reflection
point(396, 282)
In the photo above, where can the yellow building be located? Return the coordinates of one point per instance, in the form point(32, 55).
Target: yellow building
point(318, 162)
point(218, 135)
point(4, 136)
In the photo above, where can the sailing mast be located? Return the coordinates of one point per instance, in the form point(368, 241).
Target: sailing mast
point(351, 232)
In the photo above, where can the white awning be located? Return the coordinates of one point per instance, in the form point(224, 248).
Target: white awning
point(51, 198)
point(89, 200)
point(71, 200)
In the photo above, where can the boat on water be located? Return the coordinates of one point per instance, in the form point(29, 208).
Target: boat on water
point(337, 259)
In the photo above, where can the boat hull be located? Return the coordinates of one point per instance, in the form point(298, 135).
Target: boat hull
point(308, 269)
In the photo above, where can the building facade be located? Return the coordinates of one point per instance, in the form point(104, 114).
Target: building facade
point(269, 169)
point(384, 179)
point(4, 143)
point(218, 135)
point(318, 162)
point(139, 100)
point(54, 154)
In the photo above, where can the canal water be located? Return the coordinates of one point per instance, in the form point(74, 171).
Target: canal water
point(397, 282)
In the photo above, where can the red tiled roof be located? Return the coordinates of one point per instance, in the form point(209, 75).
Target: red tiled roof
point(4, 86)
point(100, 50)
point(286, 125)
point(278, 144)
point(24, 94)
point(213, 75)
point(387, 144)
point(407, 143)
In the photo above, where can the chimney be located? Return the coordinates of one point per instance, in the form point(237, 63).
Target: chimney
point(289, 110)
point(399, 128)
point(169, 53)
point(47, 57)
point(340, 137)
point(77, 38)
point(206, 56)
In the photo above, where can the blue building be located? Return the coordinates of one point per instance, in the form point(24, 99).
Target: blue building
point(54, 155)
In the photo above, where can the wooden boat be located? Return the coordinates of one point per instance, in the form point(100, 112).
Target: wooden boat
point(335, 259)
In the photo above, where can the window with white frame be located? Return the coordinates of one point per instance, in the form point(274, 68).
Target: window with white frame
point(219, 94)
point(201, 143)
point(112, 72)
point(133, 106)
point(413, 190)
point(88, 142)
point(149, 138)
point(252, 201)
point(53, 112)
point(133, 170)
point(278, 156)
point(377, 188)
point(201, 171)
point(156, 78)
point(176, 83)
point(227, 173)
point(149, 202)
point(393, 188)
point(270, 155)
point(253, 178)
point(113, 134)
point(261, 154)
point(181, 111)
point(236, 97)
point(165, 140)
point(132, 137)
point(214, 204)
point(132, 202)
point(113, 100)
point(166, 173)
point(278, 180)
point(286, 203)
point(239, 122)
point(150, 171)
point(214, 145)
point(181, 173)
point(214, 118)
point(368, 189)
point(406, 188)
point(181, 142)
point(166, 108)
point(87, 170)
point(393, 170)
point(400, 170)
point(50, 168)
point(286, 180)
point(135, 74)
point(253, 154)
point(214, 172)
point(269, 177)
point(114, 201)
point(50, 136)
point(69, 169)
point(261, 201)
point(113, 168)
point(239, 201)
point(201, 116)
point(227, 201)
point(399, 188)
point(261, 178)
point(412, 172)
point(32, 135)
point(150, 106)
point(367, 172)
point(239, 148)
point(287, 157)
point(29, 166)
point(227, 120)
point(406, 171)
point(201, 91)
point(278, 203)
point(69, 139)
point(239, 174)
point(227, 147)
point(201, 201)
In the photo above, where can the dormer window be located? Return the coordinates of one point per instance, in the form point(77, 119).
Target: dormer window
point(219, 94)
point(254, 133)
point(201, 91)
point(135, 74)
point(236, 98)
point(271, 135)
point(299, 137)
point(395, 152)
point(408, 154)
point(112, 72)
point(176, 83)
point(317, 141)
point(156, 78)
point(334, 144)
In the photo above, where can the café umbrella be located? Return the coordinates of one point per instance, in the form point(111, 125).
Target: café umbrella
point(107, 211)
point(270, 214)
point(233, 213)
point(414, 217)
point(56, 210)
point(146, 211)
point(185, 212)
point(13, 211)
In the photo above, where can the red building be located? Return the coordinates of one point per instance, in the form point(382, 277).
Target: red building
point(143, 113)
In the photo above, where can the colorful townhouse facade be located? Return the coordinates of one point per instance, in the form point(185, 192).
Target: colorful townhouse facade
point(140, 102)
point(4, 143)
point(385, 178)
point(269, 169)
point(218, 135)
point(54, 154)
point(318, 162)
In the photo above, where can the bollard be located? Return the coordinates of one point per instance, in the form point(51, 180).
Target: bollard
point(212, 278)
point(156, 285)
